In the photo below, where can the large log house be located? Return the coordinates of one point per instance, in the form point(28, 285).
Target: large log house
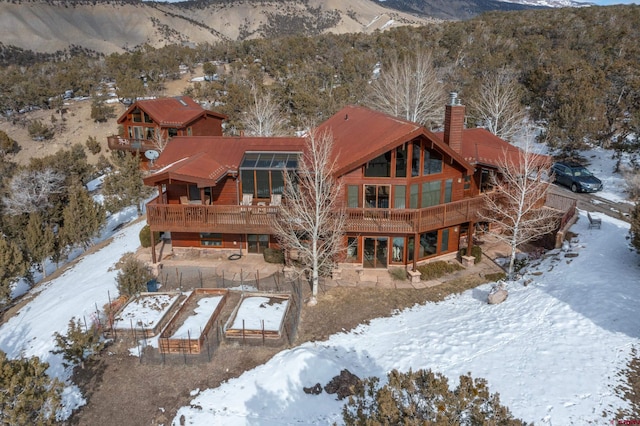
point(410, 194)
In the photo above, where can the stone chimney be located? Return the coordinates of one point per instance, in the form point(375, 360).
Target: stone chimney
point(454, 122)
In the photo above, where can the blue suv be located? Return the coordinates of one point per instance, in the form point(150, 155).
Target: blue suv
point(576, 177)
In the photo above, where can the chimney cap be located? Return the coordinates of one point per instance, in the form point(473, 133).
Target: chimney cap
point(453, 98)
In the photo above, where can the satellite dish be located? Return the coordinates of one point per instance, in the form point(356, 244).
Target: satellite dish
point(152, 154)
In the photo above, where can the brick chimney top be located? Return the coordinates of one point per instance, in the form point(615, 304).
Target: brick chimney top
point(454, 122)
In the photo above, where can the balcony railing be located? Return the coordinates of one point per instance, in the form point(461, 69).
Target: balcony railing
point(260, 219)
point(129, 144)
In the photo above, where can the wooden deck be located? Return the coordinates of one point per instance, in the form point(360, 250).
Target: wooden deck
point(120, 143)
point(260, 219)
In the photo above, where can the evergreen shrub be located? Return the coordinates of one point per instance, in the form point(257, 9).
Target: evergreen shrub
point(272, 255)
point(476, 252)
point(437, 269)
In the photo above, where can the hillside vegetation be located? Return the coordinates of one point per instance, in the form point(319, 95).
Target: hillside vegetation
point(576, 70)
point(118, 26)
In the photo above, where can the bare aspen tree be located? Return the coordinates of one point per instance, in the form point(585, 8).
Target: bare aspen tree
point(311, 218)
point(30, 191)
point(409, 89)
point(515, 210)
point(264, 117)
point(159, 139)
point(498, 105)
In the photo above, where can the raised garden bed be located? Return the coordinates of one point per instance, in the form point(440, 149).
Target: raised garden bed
point(145, 315)
point(188, 328)
point(259, 316)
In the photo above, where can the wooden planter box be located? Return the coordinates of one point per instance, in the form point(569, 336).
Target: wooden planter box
point(253, 325)
point(133, 318)
point(193, 344)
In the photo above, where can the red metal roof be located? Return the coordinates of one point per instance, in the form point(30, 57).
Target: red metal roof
point(480, 146)
point(361, 134)
point(207, 159)
point(171, 112)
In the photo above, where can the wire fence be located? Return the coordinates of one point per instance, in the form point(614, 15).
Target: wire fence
point(187, 278)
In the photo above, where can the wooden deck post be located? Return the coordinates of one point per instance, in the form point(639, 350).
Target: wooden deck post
point(153, 248)
point(471, 232)
point(416, 243)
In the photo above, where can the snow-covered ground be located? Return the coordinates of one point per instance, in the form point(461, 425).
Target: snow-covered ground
point(553, 350)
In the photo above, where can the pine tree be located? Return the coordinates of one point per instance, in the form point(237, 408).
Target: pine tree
point(13, 265)
point(82, 218)
point(29, 396)
point(79, 344)
point(39, 241)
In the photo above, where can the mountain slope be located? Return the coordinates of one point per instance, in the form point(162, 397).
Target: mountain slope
point(456, 9)
point(116, 26)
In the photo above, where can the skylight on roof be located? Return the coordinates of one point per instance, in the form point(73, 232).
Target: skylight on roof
point(269, 160)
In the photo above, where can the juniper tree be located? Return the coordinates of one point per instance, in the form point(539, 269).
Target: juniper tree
point(13, 265)
point(82, 218)
point(424, 397)
point(80, 344)
point(28, 396)
point(39, 241)
point(123, 186)
point(133, 275)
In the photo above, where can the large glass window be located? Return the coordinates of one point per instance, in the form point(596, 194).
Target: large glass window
point(376, 196)
point(210, 239)
point(401, 161)
point(444, 243)
point(248, 182)
point(430, 194)
point(413, 196)
point(194, 192)
point(257, 242)
point(262, 184)
point(415, 159)
point(448, 189)
point(428, 244)
point(352, 249)
point(379, 166)
point(277, 182)
point(397, 251)
point(400, 197)
point(262, 173)
point(432, 162)
point(352, 196)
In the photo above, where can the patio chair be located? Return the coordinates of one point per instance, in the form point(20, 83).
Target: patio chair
point(247, 199)
point(276, 199)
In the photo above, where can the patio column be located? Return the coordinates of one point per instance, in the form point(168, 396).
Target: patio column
point(472, 227)
point(416, 243)
point(153, 248)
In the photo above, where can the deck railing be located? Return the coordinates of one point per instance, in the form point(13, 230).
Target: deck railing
point(260, 219)
point(129, 144)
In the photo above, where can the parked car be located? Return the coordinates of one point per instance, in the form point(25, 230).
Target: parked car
point(576, 177)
